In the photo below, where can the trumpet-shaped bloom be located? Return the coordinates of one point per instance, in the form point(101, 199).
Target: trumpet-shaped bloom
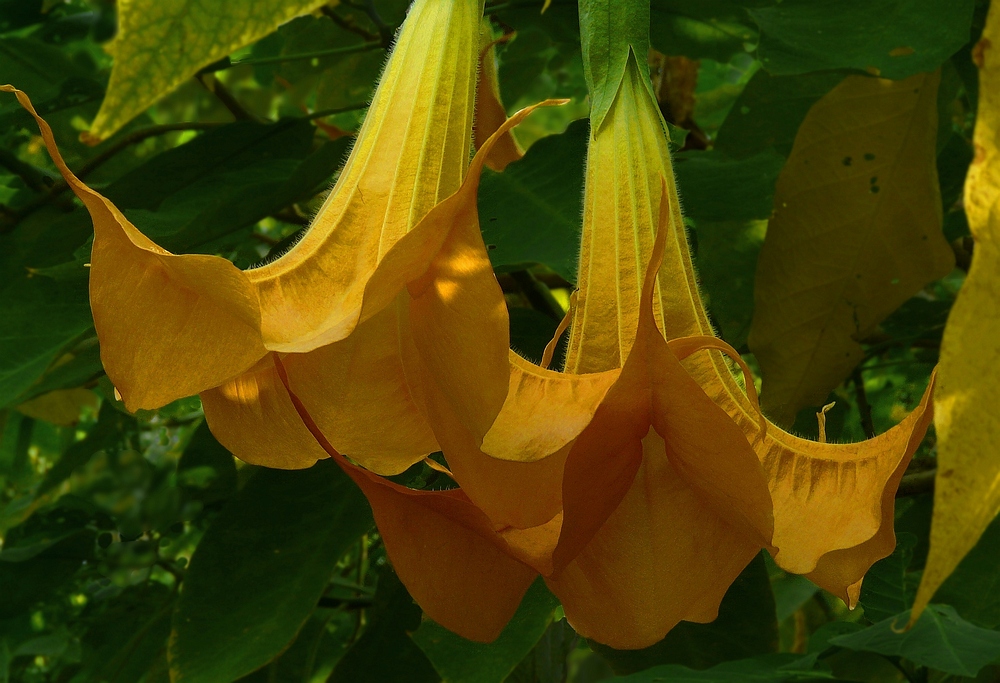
point(659, 484)
point(833, 503)
point(173, 325)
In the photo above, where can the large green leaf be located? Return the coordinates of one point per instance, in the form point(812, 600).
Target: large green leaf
point(260, 569)
point(973, 589)
point(716, 29)
point(939, 640)
point(386, 653)
point(531, 212)
point(462, 661)
point(892, 38)
point(727, 262)
point(47, 74)
point(770, 669)
point(746, 626)
point(714, 187)
point(886, 591)
point(40, 317)
point(768, 112)
point(126, 635)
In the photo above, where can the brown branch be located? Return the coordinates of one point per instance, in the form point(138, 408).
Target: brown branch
point(867, 424)
point(916, 484)
point(215, 86)
point(133, 138)
point(348, 24)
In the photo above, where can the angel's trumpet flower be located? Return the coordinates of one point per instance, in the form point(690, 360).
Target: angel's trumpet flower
point(659, 500)
point(671, 473)
point(833, 503)
point(175, 325)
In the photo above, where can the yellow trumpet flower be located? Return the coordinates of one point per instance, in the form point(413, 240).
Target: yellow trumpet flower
point(175, 325)
point(833, 503)
point(642, 480)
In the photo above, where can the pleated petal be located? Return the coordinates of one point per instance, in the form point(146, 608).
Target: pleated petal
point(447, 555)
point(544, 410)
point(826, 497)
point(169, 325)
point(208, 321)
point(360, 395)
point(412, 151)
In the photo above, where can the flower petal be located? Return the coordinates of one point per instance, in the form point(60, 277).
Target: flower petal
point(447, 555)
point(252, 416)
point(663, 555)
point(826, 497)
point(444, 549)
point(357, 392)
point(544, 410)
point(411, 152)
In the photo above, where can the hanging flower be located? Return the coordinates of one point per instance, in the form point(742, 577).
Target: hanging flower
point(174, 325)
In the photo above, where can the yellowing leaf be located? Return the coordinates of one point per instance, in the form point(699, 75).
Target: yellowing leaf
point(61, 407)
point(966, 494)
point(856, 232)
point(162, 43)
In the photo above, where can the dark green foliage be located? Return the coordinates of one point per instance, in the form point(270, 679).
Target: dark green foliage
point(458, 659)
point(261, 569)
point(135, 548)
point(531, 212)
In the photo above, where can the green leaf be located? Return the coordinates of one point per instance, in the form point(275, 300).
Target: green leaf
point(549, 660)
point(712, 29)
point(41, 316)
point(386, 653)
point(314, 653)
point(885, 591)
point(609, 31)
point(791, 592)
point(746, 626)
point(856, 232)
point(24, 583)
point(714, 187)
point(785, 668)
point(531, 212)
point(768, 112)
point(46, 73)
point(727, 263)
point(112, 426)
point(161, 44)
point(127, 635)
point(260, 569)
point(973, 588)
point(206, 469)
point(939, 640)
point(462, 661)
point(894, 38)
